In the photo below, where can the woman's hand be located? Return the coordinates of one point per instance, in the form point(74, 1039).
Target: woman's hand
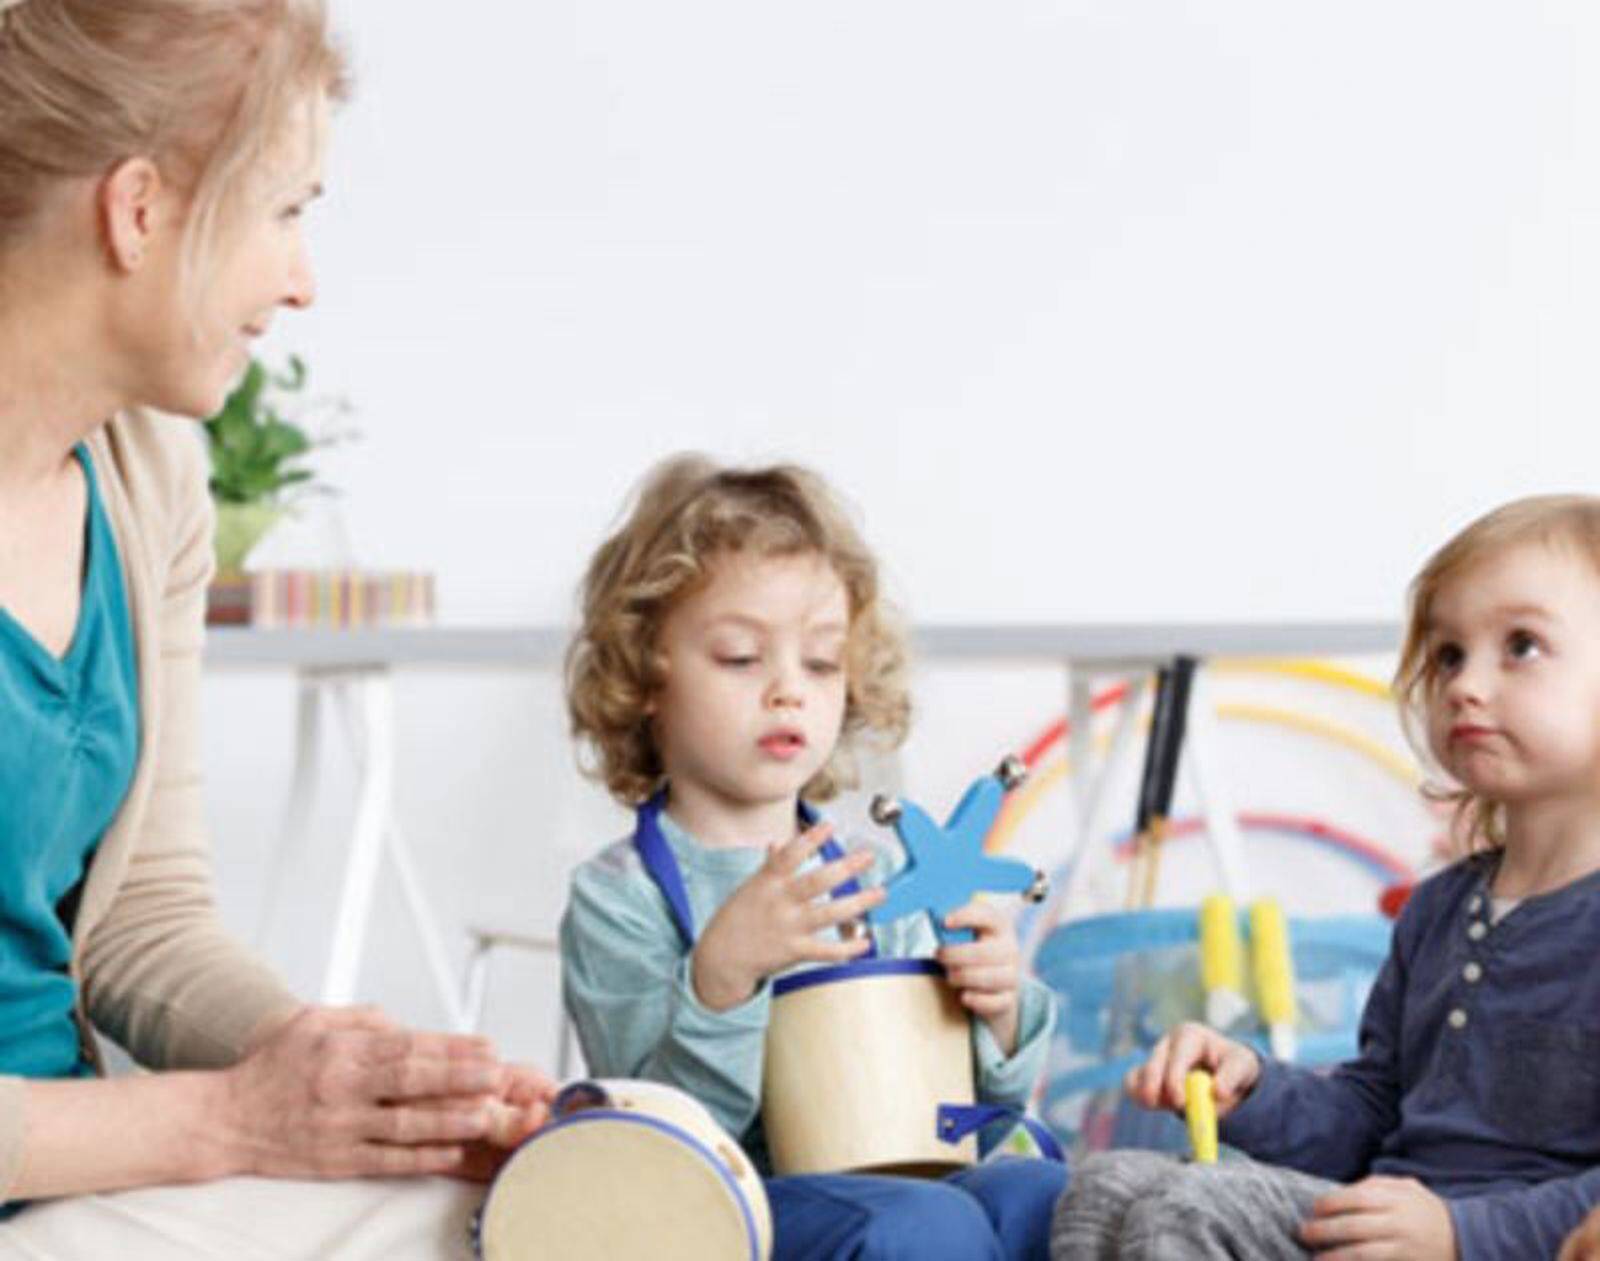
point(1158, 1082)
point(774, 920)
point(339, 1092)
point(1381, 1217)
point(986, 973)
point(519, 1110)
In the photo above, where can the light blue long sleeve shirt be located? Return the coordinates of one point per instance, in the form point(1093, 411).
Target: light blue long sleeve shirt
point(627, 986)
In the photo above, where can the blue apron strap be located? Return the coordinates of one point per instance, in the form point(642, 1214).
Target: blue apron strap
point(830, 850)
point(957, 1120)
point(656, 855)
point(662, 866)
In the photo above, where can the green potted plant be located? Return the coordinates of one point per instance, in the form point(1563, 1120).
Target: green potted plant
point(257, 459)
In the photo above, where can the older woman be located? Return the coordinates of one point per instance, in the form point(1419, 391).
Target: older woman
point(155, 159)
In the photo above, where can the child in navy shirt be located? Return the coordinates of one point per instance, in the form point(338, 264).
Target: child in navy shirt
point(1469, 1125)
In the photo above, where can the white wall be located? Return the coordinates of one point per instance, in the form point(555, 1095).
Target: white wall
point(1099, 310)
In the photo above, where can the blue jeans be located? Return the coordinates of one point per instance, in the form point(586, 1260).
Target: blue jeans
point(999, 1211)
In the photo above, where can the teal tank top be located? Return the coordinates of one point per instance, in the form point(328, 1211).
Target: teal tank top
point(69, 739)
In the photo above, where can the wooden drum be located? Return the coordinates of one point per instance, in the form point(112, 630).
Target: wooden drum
point(626, 1169)
point(859, 1059)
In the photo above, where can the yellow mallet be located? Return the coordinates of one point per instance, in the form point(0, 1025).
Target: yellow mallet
point(1200, 1111)
point(1274, 972)
point(1221, 961)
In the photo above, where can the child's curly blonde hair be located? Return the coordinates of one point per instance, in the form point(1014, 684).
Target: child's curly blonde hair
point(1570, 521)
point(687, 513)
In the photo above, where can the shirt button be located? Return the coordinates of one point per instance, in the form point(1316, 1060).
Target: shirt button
point(1476, 904)
point(1458, 1019)
point(1473, 972)
point(1478, 930)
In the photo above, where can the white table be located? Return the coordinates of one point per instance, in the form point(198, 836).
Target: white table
point(353, 671)
point(351, 674)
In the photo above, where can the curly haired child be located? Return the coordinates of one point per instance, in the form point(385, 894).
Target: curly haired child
point(734, 650)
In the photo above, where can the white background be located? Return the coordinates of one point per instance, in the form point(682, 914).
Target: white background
point(1096, 309)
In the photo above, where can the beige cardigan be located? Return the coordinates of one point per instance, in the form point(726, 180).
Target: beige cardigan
point(155, 971)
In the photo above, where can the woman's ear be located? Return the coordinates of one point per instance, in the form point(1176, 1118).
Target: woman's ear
point(133, 208)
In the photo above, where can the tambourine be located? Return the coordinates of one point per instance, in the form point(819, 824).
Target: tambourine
point(860, 1058)
point(626, 1169)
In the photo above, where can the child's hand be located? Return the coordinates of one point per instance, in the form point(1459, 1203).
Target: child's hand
point(773, 919)
point(1158, 1082)
point(1583, 1244)
point(986, 972)
point(1378, 1216)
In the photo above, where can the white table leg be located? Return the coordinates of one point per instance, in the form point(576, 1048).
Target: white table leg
point(1089, 884)
point(1080, 782)
point(363, 698)
point(371, 696)
point(367, 707)
point(1080, 750)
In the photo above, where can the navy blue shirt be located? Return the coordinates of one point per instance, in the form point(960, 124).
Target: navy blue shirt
point(1478, 1073)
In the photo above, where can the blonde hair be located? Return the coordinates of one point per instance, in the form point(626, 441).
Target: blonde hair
point(686, 515)
point(1571, 521)
point(203, 88)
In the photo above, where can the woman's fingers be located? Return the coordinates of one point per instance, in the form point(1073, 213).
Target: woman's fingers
point(405, 1126)
point(527, 1085)
point(401, 1044)
point(527, 1098)
point(365, 1016)
point(342, 1092)
point(385, 1160)
point(510, 1124)
point(403, 1064)
point(419, 1078)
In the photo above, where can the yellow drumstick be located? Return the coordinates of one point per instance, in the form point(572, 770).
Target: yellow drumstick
point(1221, 961)
point(1200, 1111)
point(1274, 973)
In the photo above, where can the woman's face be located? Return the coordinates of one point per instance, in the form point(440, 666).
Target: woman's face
point(195, 350)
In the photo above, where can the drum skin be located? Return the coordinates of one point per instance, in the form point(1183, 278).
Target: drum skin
point(626, 1169)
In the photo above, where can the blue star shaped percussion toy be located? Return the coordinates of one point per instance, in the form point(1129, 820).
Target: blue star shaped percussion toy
point(946, 866)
